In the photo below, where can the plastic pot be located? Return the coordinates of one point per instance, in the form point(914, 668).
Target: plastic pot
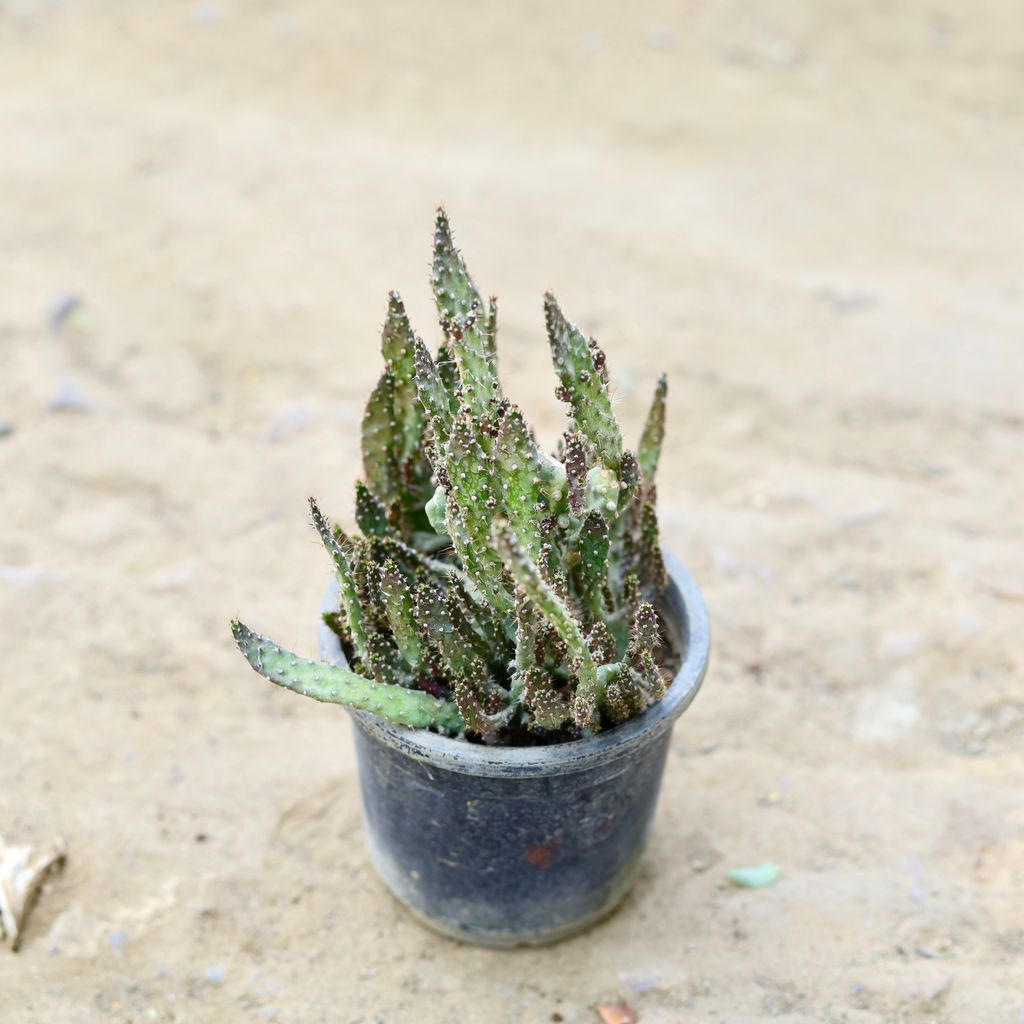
point(508, 846)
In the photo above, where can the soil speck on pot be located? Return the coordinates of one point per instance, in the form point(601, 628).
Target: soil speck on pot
point(540, 854)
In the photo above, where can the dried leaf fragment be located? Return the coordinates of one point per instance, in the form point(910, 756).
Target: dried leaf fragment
point(617, 1013)
point(22, 871)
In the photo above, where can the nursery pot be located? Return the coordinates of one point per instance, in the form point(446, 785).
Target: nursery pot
point(508, 846)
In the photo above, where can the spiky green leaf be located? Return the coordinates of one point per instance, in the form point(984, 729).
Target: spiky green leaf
point(380, 441)
point(347, 583)
point(491, 329)
point(548, 603)
point(398, 346)
point(371, 515)
point(470, 504)
point(443, 628)
point(448, 371)
point(649, 451)
point(622, 696)
point(644, 637)
point(580, 366)
point(435, 511)
point(396, 593)
point(433, 394)
point(519, 472)
point(650, 564)
point(463, 320)
point(592, 569)
point(340, 686)
point(576, 470)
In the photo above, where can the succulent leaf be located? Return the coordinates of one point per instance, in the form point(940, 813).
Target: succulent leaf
point(448, 371)
point(649, 451)
point(468, 511)
point(548, 603)
point(576, 471)
point(340, 686)
point(533, 585)
point(398, 346)
point(471, 709)
point(384, 662)
point(622, 695)
point(454, 292)
point(347, 584)
point(601, 643)
point(433, 394)
point(464, 321)
point(602, 492)
point(651, 565)
point(371, 515)
point(396, 446)
point(435, 511)
point(519, 468)
point(336, 623)
point(491, 329)
point(643, 638)
point(629, 479)
point(548, 708)
point(379, 440)
point(644, 635)
point(580, 366)
point(592, 569)
point(459, 648)
point(396, 593)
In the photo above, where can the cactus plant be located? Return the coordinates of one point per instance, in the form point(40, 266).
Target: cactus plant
point(493, 590)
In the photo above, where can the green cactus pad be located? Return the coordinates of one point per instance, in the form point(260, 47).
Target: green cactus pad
point(465, 322)
point(396, 592)
point(649, 451)
point(548, 603)
point(348, 587)
point(580, 366)
point(371, 515)
point(520, 469)
point(340, 686)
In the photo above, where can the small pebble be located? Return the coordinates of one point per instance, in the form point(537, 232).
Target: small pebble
point(756, 876)
point(900, 643)
point(845, 300)
point(69, 398)
point(208, 14)
point(659, 38)
point(641, 981)
point(61, 308)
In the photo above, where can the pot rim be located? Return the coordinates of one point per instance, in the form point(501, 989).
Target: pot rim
point(686, 614)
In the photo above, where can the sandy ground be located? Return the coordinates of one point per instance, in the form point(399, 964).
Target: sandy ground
point(809, 214)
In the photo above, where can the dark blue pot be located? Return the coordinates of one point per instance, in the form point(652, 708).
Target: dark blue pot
point(509, 846)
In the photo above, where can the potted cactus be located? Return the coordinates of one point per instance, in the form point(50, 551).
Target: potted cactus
point(511, 640)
